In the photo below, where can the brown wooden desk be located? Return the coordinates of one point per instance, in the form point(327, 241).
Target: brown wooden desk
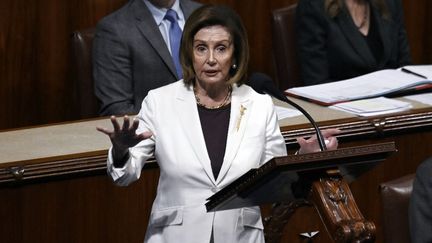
point(54, 187)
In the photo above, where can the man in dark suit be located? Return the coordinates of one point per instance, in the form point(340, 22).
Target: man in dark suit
point(132, 54)
point(339, 40)
point(420, 210)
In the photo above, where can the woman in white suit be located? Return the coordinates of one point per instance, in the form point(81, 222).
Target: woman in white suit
point(205, 131)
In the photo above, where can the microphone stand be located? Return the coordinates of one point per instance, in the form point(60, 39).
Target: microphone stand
point(320, 138)
point(262, 83)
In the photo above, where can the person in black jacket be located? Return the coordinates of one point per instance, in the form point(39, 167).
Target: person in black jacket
point(342, 39)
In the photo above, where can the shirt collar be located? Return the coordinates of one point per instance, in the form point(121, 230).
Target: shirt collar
point(159, 13)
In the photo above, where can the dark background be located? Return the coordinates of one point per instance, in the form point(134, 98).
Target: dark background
point(36, 75)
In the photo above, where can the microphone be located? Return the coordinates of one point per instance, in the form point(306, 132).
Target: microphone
point(263, 84)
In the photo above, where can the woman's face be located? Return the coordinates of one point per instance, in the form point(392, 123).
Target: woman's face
point(212, 54)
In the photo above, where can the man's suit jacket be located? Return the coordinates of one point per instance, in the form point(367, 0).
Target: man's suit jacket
point(186, 178)
point(420, 208)
point(130, 57)
point(332, 49)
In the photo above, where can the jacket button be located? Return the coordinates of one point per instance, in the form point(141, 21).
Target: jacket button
point(214, 189)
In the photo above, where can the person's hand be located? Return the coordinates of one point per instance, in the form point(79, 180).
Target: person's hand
point(124, 137)
point(311, 145)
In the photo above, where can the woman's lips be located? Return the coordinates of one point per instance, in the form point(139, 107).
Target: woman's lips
point(211, 72)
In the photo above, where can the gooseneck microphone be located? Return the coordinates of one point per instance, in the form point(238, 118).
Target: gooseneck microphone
point(263, 84)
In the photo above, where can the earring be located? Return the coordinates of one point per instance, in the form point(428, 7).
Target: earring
point(234, 66)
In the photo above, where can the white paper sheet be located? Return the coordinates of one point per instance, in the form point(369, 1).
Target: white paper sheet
point(283, 112)
point(422, 98)
point(373, 107)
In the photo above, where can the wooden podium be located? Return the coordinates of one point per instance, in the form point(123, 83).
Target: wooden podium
point(318, 179)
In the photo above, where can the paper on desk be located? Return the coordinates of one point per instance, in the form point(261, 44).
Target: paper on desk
point(283, 112)
point(370, 85)
point(422, 98)
point(373, 107)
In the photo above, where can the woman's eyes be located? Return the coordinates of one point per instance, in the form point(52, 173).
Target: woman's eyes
point(221, 48)
point(200, 48)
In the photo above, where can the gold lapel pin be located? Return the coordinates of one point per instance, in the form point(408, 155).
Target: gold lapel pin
point(242, 111)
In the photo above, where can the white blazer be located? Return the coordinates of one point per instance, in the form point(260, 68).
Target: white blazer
point(186, 178)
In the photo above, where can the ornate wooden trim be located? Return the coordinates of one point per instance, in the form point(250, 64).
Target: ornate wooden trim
point(57, 167)
point(351, 129)
point(335, 203)
point(375, 127)
point(333, 200)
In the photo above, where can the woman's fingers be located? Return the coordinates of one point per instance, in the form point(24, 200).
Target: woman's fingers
point(115, 123)
point(135, 124)
point(330, 139)
point(124, 128)
point(301, 141)
point(124, 136)
point(144, 135)
point(307, 146)
point(126, 122)
point(330, 132)
point(311, 145)
point(103, 130)
point(332, 144)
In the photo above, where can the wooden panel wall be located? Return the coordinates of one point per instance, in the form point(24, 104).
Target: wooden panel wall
point(35, 59)
point(86, 209)
point(35, 73)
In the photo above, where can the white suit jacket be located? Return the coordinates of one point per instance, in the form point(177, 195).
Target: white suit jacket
point(186, 178)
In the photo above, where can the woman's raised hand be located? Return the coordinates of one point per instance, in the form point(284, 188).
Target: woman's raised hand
point(124, 137)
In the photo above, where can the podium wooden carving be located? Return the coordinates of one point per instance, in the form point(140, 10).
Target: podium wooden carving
point(319, 180)
point(337, 207)
point(332, 198)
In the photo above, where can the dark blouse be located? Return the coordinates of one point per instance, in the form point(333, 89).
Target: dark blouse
point(214, 124)
point(373, 39)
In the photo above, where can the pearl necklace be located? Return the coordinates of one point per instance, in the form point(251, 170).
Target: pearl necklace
point(224, 102)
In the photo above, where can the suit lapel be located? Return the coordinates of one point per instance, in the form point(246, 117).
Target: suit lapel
point(188, 113)
point(241, 108)
point(148, 28)
point(354, 37)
